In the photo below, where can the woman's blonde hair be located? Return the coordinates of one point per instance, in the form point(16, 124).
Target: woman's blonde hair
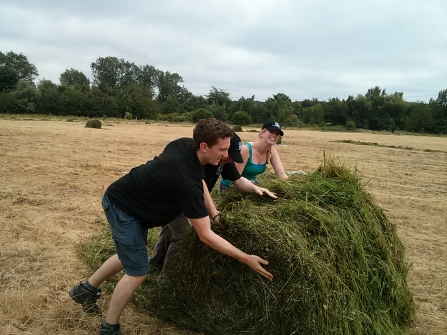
point(269, 150)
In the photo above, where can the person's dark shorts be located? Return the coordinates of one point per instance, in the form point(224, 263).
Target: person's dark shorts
point(130, 237)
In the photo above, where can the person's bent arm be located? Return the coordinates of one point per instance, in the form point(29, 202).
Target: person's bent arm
point(277, 165)
point(244, 185)
point(245, 153)
point(209, 203)
point(207, 236)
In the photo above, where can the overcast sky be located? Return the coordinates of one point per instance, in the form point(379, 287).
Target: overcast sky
point(303, 48)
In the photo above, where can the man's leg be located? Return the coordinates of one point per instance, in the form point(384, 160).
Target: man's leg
point(158, 256)
point(130, 238)
point(88, 292)
point(177, 226)
point(111, 267)
point(121, 296)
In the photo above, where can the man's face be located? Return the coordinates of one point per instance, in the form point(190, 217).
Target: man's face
point(218, 152)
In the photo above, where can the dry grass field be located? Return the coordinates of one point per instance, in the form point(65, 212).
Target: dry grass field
point(53, 174)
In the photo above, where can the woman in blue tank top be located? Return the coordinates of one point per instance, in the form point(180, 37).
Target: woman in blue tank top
point(257, 154)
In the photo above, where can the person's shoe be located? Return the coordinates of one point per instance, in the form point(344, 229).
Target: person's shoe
point(109, 329)
point(87, 298)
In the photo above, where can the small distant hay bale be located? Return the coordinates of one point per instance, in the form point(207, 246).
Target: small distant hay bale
point(236, 128)
point(279, 141)
point(93, 124)
point(337, 262)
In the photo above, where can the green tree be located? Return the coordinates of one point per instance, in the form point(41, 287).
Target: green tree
point(378, 113)
point(313, 114)
point(419, 119)
point(73, 99)
point(260, 113)
point(218, 96)
point(25, 97)
point(359, 110)
point(194, 102)
point(7, 101)
point(171, 105)
point(169, 84)
point(50, 102)
point(394, 111)
point(114, 73)
point(317, 113)
point(350, 125)
point(280, 108)
point(247, 105)
point(147, 76)
point(438, 108)
point(219, 112)
point(336, 112)
point(72, 76)
point(442, 98)
point(20, 64)
point(103, 103)
point(241, 118)
point(201, 113)
point(8, 78)
point(105, 72)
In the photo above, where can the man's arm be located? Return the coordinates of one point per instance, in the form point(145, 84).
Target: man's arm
point(209, 203)
point(244, 185)
point(207, 236)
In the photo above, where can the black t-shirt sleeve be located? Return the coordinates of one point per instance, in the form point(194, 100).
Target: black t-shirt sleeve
point(230, 172)
point(191, 201)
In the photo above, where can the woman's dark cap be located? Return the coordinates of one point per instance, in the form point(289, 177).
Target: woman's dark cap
point(273, 125)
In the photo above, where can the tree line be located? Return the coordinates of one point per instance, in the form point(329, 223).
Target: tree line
point(123, 89)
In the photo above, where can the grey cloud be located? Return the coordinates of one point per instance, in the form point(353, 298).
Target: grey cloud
point(304, 49)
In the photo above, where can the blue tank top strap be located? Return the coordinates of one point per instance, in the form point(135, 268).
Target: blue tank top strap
point(249, 150)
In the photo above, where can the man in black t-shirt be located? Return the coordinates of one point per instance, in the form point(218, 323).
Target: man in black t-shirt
point(152, 195)
point(169, 238)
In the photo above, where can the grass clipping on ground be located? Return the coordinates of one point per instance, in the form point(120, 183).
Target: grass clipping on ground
point(337, 262)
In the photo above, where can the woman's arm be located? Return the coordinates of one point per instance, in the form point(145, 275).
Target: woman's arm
point(245, 185)
point(245, 153)
point(277, 165)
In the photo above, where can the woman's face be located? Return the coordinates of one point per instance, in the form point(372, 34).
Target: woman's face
point(270, 135)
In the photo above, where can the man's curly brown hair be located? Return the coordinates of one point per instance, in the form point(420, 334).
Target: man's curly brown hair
point(210, 130)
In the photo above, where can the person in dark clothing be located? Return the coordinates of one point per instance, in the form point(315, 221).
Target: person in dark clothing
point(170, 236)
point(152, 195)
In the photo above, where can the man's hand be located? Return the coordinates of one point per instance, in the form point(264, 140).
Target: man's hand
point(254, 262)
point(261, 191)
point(207, 236)
point(216, 217)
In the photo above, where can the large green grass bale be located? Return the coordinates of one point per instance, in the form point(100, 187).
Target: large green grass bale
point(93, 124)
point(337, 262)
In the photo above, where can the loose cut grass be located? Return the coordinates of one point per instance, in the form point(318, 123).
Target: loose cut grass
point(337, 262)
